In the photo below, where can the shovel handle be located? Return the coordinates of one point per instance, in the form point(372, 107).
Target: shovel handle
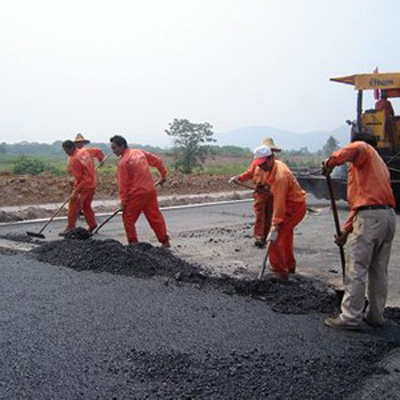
point(265, 260)
point(251, 187)
point(106, 220)
point(55, 214)
point(337, 223)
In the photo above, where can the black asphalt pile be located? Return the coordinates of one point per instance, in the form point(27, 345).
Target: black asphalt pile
point(298, 296)
point(253, 374)
point(141, 260)
point(78, 233)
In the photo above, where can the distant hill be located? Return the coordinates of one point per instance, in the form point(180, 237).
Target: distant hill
point(252, 137)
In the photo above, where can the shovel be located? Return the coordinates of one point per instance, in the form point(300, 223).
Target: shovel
point(337, 224)
point(264, 264)
point(252, 188)
point(339, 292)
point(107, 220)
point(40, 234)
point(309, 209)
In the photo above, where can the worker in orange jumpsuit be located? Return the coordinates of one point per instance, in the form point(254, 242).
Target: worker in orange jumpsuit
point(369, 229)
point(81, 165)
point(383, 104)
point(137, 190)
point(262, 204)
point(289, 209)
point(80, 142)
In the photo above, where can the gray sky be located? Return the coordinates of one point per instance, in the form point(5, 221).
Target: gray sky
point(103, 67)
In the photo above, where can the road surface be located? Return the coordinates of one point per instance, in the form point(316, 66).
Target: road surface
point(69, 335)
point(220, 237)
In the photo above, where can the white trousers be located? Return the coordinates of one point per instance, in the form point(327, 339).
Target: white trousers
point(367, 259)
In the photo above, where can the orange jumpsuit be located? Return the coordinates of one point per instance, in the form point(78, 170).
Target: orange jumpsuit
point(368, 180)
point(289, 208)
point(81, 166)
point(138, 193)
point(262, 202)
point(390, 132)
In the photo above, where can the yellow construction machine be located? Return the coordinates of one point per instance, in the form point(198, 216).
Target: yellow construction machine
point(384, 125)
point(386, 128)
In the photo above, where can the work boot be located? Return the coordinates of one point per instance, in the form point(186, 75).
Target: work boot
point(338, 323)
point(65, 232)
point(259, 243)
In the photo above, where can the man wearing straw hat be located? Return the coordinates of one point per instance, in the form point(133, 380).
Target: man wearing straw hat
point(80, 142)
point(262, 201)
point(81, 166)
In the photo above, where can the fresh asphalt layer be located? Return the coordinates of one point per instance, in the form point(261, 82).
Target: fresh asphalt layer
point(68, 334)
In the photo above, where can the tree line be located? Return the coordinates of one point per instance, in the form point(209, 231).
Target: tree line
point(193, 144)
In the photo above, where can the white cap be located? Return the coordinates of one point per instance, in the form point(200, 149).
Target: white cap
point(260, 154)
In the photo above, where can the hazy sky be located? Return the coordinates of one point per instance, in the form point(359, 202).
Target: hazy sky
point(131, 67)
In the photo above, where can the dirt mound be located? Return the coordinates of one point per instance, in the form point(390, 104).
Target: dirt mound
point(8, 217)
point(49, 188)
point(297, 296)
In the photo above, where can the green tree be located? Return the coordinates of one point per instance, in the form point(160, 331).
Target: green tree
point(330, 146)
point(26, 165)
point(191, 143)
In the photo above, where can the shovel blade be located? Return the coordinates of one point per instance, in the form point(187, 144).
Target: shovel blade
point(36, 235)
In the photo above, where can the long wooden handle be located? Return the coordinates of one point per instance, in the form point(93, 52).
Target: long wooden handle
point(251, 187)
point(106, 220)
point(55, 214)
point(265, 260)
point(337, 223)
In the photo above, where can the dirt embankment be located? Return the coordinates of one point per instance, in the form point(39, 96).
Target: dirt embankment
point(49, 188)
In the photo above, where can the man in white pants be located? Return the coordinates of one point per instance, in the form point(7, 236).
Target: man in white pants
point(370, 229)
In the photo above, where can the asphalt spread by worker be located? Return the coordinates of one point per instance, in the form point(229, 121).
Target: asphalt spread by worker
point(298, 296)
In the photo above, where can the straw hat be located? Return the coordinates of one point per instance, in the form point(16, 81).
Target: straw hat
point(80, 138)
point(270, 143)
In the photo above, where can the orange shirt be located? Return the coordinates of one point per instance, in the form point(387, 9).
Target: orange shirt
point(82, 167)
point(94, 153)
point(255, 173)
point(385, 106)
point(368, 179)
point(134, 174)
point(285, 189)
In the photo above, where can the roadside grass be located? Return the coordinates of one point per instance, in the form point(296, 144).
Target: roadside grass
point(217, 166)
point(230, 169)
